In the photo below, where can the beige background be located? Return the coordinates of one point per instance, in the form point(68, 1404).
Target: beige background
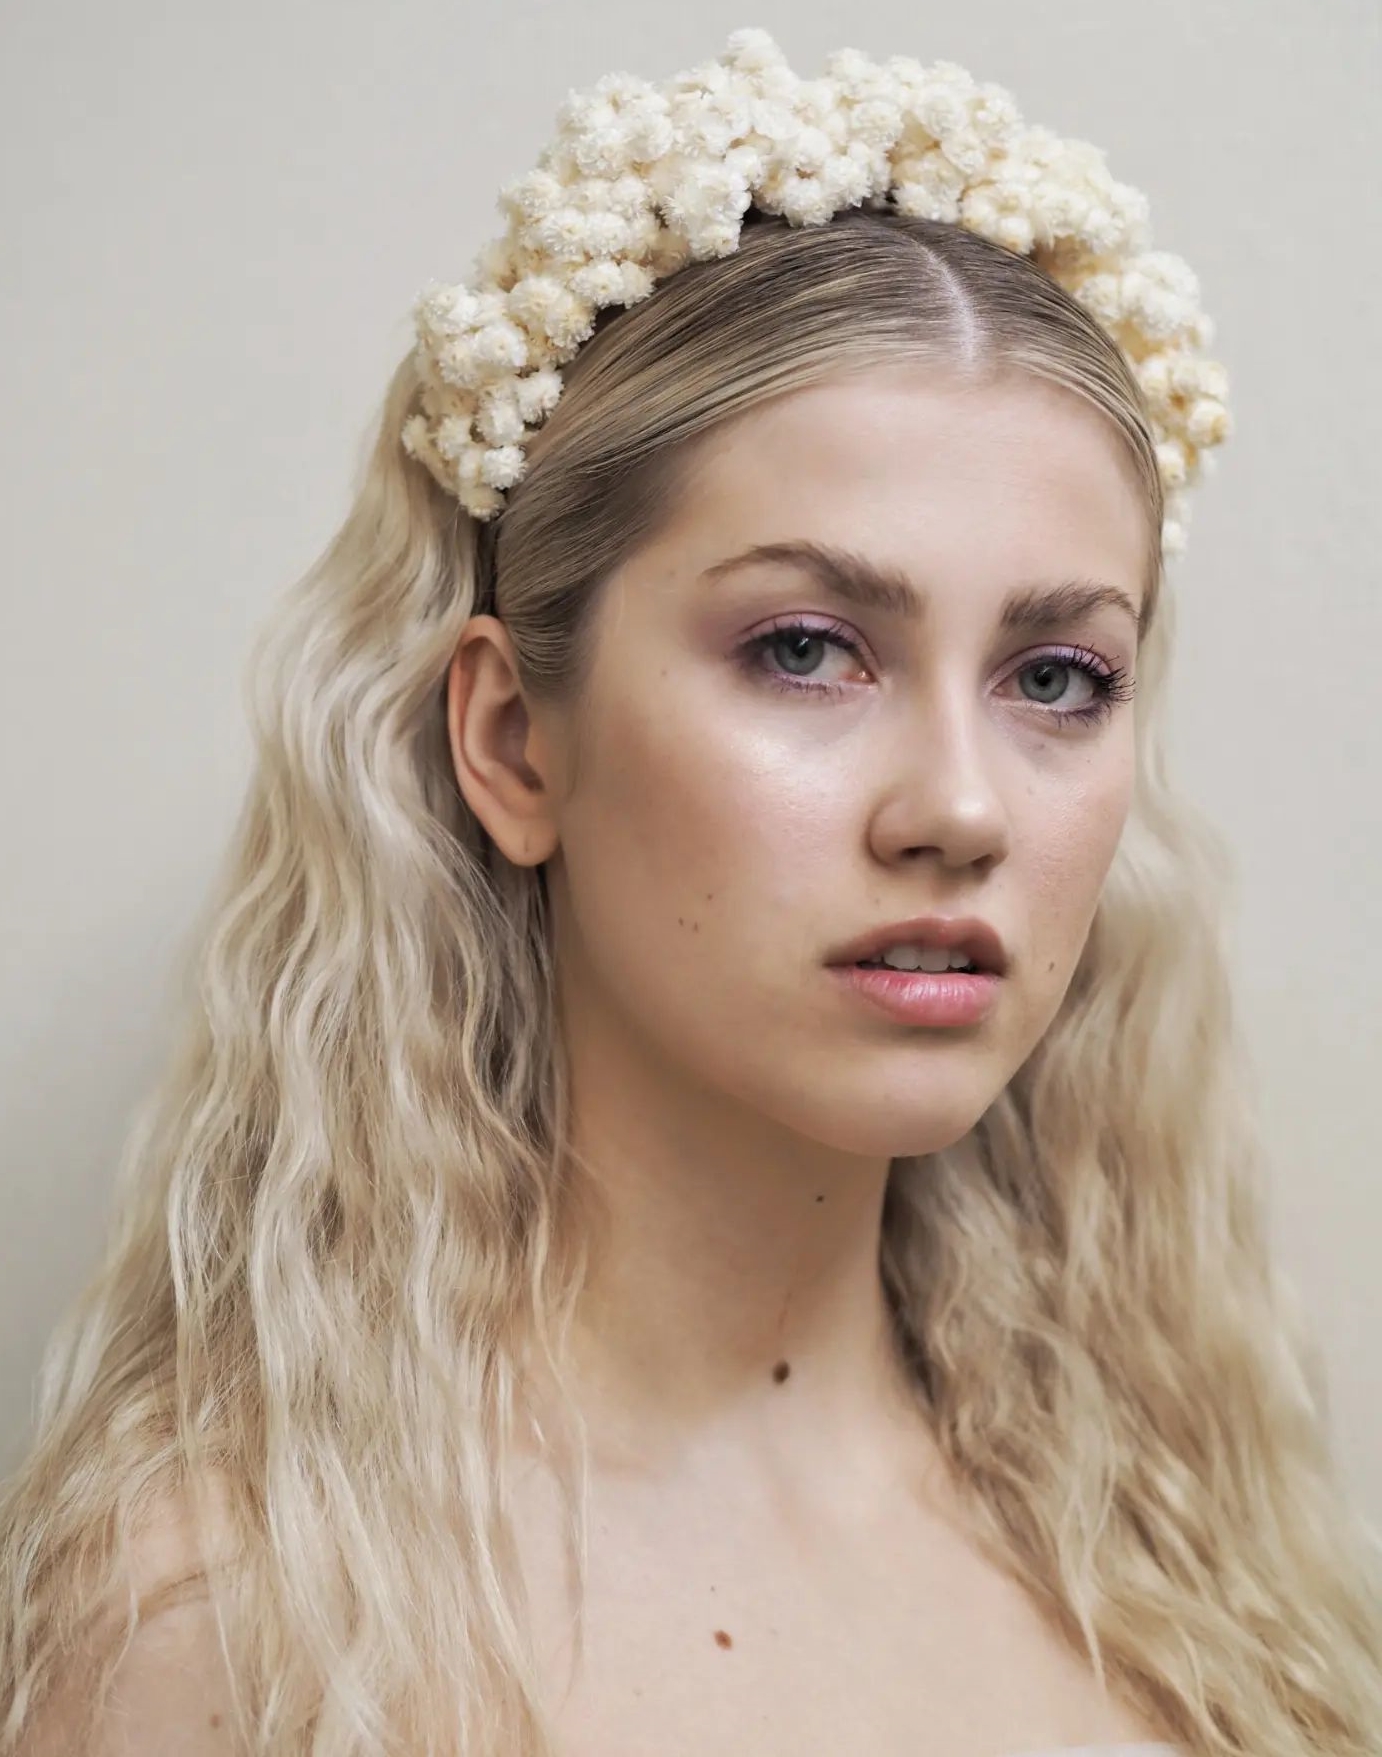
point(215, 220)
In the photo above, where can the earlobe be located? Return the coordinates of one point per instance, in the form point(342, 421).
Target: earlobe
point(494, 744)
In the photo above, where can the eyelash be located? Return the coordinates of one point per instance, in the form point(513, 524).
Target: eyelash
point(1112, 684)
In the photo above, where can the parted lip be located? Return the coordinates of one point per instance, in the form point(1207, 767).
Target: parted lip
point(976, 939)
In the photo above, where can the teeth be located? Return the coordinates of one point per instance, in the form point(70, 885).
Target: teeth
point(930, 958)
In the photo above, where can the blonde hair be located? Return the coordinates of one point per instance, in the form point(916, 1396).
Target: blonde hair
point(348, 1215)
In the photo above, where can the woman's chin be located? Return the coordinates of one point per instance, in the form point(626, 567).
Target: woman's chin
point(884, 1127)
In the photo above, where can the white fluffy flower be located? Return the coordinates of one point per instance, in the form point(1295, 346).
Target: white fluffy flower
point(454, 438)
point(641, 179)
point(538, 394)
point(499, 418)
point(502, 466)
point(1172, 463)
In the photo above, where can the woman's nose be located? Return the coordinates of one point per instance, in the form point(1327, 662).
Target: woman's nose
point(941, 789)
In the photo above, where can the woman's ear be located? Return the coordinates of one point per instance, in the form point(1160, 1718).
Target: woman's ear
point(497, 748)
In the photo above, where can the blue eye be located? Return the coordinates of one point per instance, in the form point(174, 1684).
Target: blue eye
point(797, 640)
point(792, 637)
point(1111, 683)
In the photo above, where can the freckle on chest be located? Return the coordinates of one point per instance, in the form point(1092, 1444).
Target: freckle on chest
point(723, 1639)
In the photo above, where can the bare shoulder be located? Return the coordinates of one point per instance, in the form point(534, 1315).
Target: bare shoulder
point(170, 1697)
point(170, 1693)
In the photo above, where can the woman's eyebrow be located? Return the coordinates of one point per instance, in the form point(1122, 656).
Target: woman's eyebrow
point(874, 586)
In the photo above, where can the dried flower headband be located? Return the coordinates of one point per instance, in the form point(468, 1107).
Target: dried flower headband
point(642, 179)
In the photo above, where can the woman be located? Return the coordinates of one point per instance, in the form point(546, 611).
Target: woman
point(562, 1303)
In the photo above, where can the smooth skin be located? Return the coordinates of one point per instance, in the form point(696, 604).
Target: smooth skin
point(777, 1561)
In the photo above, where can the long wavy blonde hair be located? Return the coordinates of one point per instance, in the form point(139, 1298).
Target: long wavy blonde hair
point(347, 1214)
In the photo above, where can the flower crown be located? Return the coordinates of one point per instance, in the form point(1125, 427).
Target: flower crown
point(642, 179)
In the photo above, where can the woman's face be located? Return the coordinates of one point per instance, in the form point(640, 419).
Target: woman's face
point(744, 807)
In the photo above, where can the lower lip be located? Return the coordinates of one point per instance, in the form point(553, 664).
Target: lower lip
point(921, 997)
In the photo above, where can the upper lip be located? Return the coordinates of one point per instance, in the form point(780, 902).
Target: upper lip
point(975, 938)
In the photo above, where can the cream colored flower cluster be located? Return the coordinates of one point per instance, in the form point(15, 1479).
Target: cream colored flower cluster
point(643, 179)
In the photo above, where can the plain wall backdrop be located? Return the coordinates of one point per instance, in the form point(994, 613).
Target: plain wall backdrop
point(216, 218)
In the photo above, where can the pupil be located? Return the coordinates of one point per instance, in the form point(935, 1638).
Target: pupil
point(1049, 667)
point(794, 644)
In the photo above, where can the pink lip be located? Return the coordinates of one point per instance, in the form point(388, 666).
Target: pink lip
point(950, 933)
point(923, 997)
